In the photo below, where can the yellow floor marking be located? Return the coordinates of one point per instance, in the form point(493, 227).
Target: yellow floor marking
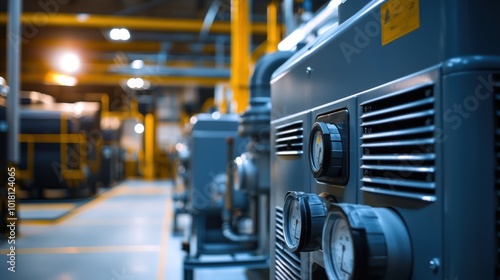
point(145, 190)
point(165, 235)
point(47, 206)
point(121, 189)
point(80, 250)
point(91, 204)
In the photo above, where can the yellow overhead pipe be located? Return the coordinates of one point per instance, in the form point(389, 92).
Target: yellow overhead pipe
point(100, 79)
point(40, 19)
point(40, 65)
point(135, 46)
point(240, 52)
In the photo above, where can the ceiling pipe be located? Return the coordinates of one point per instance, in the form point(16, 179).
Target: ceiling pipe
point(209, 19)
point(139, 23)
point(198, 72)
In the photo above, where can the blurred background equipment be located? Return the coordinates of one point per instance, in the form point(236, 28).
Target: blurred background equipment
point(209, 151)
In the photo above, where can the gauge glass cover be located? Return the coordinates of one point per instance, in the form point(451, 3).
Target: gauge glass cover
point(294, 224)
point(342, 250)
point(317, 151)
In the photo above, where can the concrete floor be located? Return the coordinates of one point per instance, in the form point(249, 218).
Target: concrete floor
point(123, 234)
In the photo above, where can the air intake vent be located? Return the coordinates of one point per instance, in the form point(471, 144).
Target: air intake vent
point(398, 144)
point(287, 264)
point(496, 88)
point(289, 139)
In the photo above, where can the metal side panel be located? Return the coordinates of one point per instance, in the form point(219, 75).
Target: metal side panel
point(289, 172)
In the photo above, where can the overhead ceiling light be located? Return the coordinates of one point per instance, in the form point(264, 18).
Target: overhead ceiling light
point(139, 128)
point(137, 64)
point(68, 62)
point(135, 83)
point(118, 34)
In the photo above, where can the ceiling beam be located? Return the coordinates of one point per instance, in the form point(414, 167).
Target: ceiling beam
point(39, 20)
point(198, 72)
point(120, 79)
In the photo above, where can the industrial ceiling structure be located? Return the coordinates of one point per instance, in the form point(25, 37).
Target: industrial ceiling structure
point(179, 42)
point(189, 43)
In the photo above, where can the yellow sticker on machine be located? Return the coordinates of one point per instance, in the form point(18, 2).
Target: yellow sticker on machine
point(398, 18)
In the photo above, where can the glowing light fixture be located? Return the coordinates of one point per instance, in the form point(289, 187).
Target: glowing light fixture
point(135, 83)
point(68, 62)
point(139, 128)
point(137, 64)
point(138, 83)
point(119, 34)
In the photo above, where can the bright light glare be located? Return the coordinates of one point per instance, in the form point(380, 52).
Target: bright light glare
point(137, 64)
point(78, 108)
point(69, 62)
point(117, 34)
point(139, 128)
point(125, 35)
point(65, 80)
point(135, 83)
point(114, 34)
point(329, 13)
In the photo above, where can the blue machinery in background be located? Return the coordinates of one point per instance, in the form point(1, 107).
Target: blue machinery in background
point(385, 158)
point(228, 197)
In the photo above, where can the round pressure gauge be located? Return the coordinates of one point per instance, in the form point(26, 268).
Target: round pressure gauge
point(304, 215)
point(343, 249)
point(361, 242)
point(325, 150)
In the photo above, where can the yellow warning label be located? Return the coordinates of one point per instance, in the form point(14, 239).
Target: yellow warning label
point(398, 18)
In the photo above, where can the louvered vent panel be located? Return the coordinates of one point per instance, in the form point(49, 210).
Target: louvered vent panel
point(289, 139)
point(398, 144)
point(287, 264)
point(496, 88)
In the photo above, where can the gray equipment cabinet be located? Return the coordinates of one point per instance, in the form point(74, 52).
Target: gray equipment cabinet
point(384, 159)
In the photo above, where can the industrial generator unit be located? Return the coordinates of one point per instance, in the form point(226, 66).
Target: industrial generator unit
point(214, 139)
point(60, 149)
point(385, 145)
point(245, 187)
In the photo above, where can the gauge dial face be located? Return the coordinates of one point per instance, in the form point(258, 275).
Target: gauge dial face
point(342, 250)
point(317, 151)
point(294, 224)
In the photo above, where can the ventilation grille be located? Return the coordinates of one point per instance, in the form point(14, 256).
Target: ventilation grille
point(496, 90)
point(287, 264)
point(398, 145)
point(289, 139)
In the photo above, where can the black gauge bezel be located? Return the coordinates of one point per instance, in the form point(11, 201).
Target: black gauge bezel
point(330, 173)
point(360, 245)
point(327, 148)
